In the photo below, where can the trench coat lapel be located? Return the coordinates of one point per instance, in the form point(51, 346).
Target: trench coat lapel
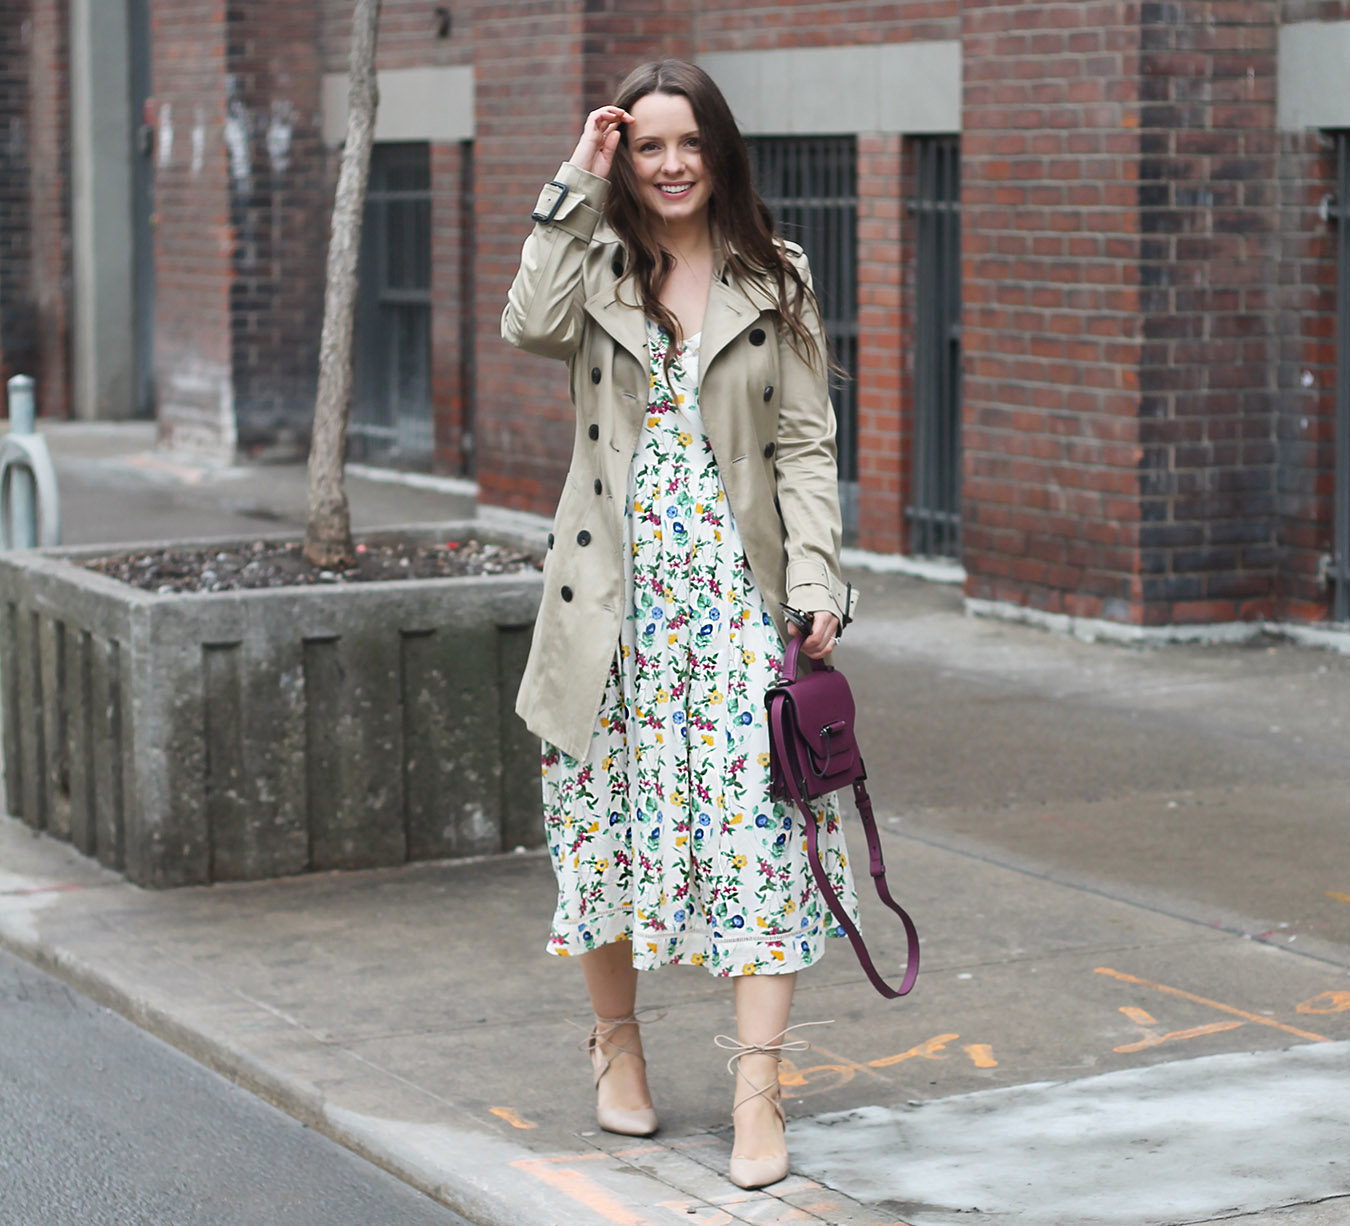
point(622, 320)
point(729, 313)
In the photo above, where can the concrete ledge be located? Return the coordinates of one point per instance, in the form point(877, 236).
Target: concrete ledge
point(935, 570)
point(1093, 629)
point(184, 739)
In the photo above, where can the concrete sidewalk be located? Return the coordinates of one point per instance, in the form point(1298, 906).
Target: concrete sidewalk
point(1130, 869)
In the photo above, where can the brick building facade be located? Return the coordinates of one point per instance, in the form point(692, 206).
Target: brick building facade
point(1136, 340)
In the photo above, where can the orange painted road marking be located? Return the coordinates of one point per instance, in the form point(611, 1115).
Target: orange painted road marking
point(511, 1117)
point(1176, 1036)
point(1140, 1017)
point(1214, 1004)
point(981, 1055)
point(1327, 1002)
point(931, 1049)
point(1338, 896)
point(581, 1188)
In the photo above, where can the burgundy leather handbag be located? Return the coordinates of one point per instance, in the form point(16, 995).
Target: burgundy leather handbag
point(813, 751)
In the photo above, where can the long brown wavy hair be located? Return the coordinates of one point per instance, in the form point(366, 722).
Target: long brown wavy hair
point(740, 218)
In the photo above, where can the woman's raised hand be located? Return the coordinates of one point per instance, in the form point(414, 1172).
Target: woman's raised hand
point(599, 139)
point(824, 634)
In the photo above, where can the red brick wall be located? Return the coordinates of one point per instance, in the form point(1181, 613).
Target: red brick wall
point(281, 214)
point(194, 234)
point(885, 340)
point(1207, 193)
point(409, 34)
point(1052, 339)
point(49, 146)
point(16, 311)
point(451, 308)
point(819, 23)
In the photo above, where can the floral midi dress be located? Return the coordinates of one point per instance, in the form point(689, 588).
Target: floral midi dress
point(666, 835)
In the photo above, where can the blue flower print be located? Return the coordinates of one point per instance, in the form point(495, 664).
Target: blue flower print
point(747, 717)
point(761, 819)
point(738, 921)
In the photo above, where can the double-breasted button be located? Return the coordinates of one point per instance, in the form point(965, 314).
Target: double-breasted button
point(768, 393)
point(595, 374)
point(566, 593)
point(768, 450)
point(757, 336)
point(550, 540)
point(583, 537)
point(593, 433)
point(599, 486)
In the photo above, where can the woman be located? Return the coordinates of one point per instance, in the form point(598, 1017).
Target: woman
point(701, 500)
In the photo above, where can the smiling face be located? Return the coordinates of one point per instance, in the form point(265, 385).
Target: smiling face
point(663, 142)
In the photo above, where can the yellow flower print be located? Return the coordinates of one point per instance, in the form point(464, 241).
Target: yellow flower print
point(651, 945)
point(657, 534)
point(677, 798)
point(707, 740)
point(748, 657)
point(653, 421)
point(761, 921)
point(697, 959)
point(606, 763)
point(717, 534)
point(739, 862)
point(789, 907)
point(601, 865)
point(698, 508)
point(671, 638)
point(662, 696)
point(777, 954)
point(737, 818)
point(685, 437)
point(764, 759)
point(562, 953)
point(715, 697)
point(681, 840)
point(748, 969)
point(679, 399)
point(593, 828)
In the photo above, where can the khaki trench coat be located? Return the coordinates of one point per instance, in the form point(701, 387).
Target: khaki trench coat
point(767, 414)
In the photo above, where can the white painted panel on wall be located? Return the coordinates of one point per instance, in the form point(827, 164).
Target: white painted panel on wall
point(815, 91)
point(1314, 75)
point(431, 104)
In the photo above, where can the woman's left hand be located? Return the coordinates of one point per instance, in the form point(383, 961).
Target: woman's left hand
point(823, 636)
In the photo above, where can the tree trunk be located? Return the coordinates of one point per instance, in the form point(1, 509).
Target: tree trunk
point(328, 532)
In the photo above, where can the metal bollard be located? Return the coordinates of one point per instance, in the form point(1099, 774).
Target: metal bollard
point(30, 507)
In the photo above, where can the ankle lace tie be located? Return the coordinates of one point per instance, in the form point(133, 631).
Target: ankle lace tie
point(739, 1050)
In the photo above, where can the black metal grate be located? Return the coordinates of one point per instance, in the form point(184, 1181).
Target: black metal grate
point(391, 419)
point(935, 507)
point(1340, 562)
point(811, 186)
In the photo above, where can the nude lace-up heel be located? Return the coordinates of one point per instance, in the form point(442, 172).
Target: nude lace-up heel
point(630, 1122)
point(760, 1172)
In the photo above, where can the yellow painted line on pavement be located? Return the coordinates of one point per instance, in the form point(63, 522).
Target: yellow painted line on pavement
point(1214, 1004)
point(930, 1049)
point(1327, 1002)
point(579, 1187)
point(512, 1117)
point(981, 1055)
point(1176, 1036)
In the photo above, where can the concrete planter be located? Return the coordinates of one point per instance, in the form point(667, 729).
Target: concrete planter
point(184, 739)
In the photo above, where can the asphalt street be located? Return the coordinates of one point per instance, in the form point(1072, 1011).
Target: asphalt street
point(105, 1125)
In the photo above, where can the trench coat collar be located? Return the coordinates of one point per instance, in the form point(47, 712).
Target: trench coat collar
point(733, 305)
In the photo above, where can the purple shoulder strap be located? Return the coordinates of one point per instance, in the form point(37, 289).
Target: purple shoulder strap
point(876, 865)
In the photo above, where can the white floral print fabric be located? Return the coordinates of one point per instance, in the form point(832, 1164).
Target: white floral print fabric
point(666, 835)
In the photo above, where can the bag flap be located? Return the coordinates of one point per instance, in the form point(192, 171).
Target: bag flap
point(822, 707)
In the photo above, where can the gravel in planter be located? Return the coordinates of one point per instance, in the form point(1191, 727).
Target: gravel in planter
point(269, 564)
